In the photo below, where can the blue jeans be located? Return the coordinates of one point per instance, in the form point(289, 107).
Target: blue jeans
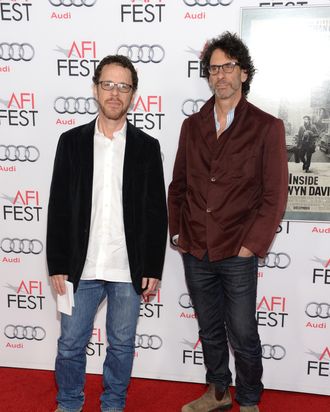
point(122, 314)
point(224, 297)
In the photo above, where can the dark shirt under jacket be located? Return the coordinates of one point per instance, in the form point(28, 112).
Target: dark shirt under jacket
point(232, 191)
point(70, 203)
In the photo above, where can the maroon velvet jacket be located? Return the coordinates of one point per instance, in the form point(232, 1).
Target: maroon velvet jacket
point(229, 192)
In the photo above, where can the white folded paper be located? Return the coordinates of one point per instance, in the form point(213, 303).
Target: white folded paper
point(65, 302)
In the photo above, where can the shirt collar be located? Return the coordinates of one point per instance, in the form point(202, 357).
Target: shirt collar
point(118, 134)
point(230, 118)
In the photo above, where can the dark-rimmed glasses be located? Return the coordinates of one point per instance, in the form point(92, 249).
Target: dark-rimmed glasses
point(110, 85)
point(226, 67)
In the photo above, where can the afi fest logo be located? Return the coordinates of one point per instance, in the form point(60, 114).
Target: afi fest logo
point(25, 206)
point(19, 110)
point(151, 306)
point(28, 295)
point(282, 3)
point(147, 112)
point(272, 311)
point(142, 11)
point(194, 66)
point(193, 355)
point(15, 11)
point(80, 59)
point(321, 274)
point(320, 366)
point(96, 344)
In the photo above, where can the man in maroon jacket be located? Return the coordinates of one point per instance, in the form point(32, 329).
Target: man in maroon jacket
point(226, 200)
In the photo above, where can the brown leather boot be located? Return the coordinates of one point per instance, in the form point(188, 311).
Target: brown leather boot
point(253, 408)
point(212, 400)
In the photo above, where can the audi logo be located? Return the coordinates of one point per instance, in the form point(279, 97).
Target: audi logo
point(275, 260)
point(185, 301)
point(190, 106)
point(192, 3)
point(276, 352)
point(72, 105)
point(143, 53)
point(148, 342)
point(25, 246)
point(25, 332)
point(19, 153)
point(16, 51)
point(318, 310)
point(69, 3)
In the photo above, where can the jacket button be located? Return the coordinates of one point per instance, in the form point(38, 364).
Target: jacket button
point(213, 179)
point(208, 210)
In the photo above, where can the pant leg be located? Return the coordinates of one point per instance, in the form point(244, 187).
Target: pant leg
point(206, 291)
point(122, 314)
point(240, 288)
point(308, 159)
point(76, 331)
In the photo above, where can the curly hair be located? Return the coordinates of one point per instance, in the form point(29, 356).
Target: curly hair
point(119, 60)
point(234, 48)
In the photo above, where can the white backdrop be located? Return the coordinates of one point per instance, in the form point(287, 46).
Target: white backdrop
point(48, 53)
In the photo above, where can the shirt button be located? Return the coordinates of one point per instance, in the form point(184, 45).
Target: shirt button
point(208, 210)
point(213, 179)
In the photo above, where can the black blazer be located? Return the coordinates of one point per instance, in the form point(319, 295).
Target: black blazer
point(70, 204)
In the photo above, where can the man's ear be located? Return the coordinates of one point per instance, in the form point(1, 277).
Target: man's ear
point(244, 76)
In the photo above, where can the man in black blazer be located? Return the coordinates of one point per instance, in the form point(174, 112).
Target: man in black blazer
point(106, 234)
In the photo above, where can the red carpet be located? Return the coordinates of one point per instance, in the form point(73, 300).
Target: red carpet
point(25, 390)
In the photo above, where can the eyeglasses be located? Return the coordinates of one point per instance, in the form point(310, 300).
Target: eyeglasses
point(227, 67)
point(110, 85)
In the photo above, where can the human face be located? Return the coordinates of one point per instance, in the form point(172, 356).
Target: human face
point(226, 85)
point(307, 122)
point(113, 104)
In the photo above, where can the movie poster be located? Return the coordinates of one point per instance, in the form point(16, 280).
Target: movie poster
point(290, 48)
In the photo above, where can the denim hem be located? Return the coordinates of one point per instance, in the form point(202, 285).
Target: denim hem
point(60, 409)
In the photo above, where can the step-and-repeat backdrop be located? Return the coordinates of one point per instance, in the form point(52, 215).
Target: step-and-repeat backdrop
point(48, 52)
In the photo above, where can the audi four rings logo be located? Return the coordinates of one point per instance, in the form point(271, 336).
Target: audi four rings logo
point(185, 301)
point(19, 153)
point(72, 105)
point(148, 342)
point(276, 352)
point(25, 246)
point(142, 53)
point(192, 3)
point(275, 260)
point(16, 51)
point(318, 310)
point(25, 332)
point(190, 106)
point(69, 3)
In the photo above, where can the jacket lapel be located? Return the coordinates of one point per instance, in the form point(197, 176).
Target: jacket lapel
point(129, 159)
point(207, 125)
point(87, 157)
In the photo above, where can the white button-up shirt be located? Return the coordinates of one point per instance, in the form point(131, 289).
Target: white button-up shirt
point(107, 257)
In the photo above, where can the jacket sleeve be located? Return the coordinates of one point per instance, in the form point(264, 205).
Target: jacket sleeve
point(178, 186)
point(274, 191)
point(155, 216)
point(58, 222)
